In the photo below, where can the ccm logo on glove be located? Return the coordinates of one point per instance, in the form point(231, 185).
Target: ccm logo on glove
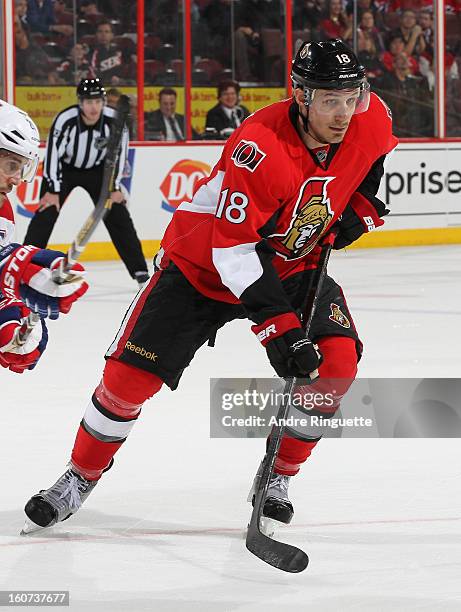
point(265, 333)
point(289, 351)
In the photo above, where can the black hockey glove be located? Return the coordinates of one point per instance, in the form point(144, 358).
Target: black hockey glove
point(359, 217)
point(289, 351)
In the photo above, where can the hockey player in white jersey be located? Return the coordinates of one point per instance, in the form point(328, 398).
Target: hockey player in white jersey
point(26, 272)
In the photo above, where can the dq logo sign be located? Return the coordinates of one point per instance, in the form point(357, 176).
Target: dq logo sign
point(28, 195)
point(179, 183)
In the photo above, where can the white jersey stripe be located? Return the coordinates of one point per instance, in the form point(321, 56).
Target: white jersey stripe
point(206, 198)
point(238, 266)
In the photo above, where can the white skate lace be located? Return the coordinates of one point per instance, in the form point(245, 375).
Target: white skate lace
point(73, 491)
point(278, 486)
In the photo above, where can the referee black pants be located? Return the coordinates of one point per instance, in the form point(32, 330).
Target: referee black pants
point(117, 221)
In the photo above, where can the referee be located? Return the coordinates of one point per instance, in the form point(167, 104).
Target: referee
point(74, 156)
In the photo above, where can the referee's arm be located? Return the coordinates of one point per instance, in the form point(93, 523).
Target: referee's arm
point(52, 170)
point(121, 159)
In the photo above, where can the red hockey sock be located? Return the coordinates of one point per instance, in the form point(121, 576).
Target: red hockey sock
point(110, 416)
point(339, 362)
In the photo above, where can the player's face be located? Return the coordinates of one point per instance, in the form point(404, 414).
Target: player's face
point(92, 110)
point(11, 169)
point(168, 105)
point(330, 113)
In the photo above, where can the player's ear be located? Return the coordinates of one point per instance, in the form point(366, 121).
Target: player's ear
point(298, 95)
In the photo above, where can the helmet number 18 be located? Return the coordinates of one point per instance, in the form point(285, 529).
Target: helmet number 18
point(343, 58)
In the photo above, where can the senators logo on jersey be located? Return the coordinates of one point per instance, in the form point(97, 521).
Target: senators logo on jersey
point(338, 316)
point(311, 217)
point(247, 155)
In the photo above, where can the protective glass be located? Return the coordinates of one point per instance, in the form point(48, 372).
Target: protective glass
point(341, 101)
point(26, 168)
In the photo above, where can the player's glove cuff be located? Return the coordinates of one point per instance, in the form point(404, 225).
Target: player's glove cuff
point(275, 327)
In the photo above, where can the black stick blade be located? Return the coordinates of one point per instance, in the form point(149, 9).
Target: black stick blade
point(278, 554)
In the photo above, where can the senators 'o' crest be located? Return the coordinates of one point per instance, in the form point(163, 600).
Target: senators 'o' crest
point(311, 216)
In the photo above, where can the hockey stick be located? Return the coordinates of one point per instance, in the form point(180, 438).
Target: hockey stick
point(103, 206)
point(284, 556)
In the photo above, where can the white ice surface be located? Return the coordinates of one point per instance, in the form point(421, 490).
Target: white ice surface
point(164, 530)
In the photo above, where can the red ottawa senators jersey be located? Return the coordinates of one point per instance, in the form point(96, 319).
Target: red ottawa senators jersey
point(6, 222)
point(267, 190)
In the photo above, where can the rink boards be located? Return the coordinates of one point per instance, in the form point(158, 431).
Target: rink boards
point(421, 186)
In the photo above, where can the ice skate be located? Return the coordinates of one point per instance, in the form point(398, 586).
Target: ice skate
point(57, 503)
point(278, 510)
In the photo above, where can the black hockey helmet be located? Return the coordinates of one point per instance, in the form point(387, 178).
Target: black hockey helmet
point(329, 64)
point(88, 89)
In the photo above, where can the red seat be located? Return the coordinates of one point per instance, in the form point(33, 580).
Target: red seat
point(95, 18)
point(178, 66)
point(125, 43)
point(272, 42)
point(453, 26)
point(152, 68)
point(152, 42)
point(65, 18)
point(88, 40)
point(210, 66)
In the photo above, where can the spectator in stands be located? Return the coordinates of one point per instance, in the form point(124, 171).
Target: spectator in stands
point(216, 18)
point(88, 8)
point(228, 114)
point(367, 5)
point(370, 46)
point(409, 99)
point(308, 15)
point(32, 64)
point(453, 102)
point(251, 17)
point(427, 69)
point(426, 22)
point(396, 47)
point(108, 61)
point(411, 33)
point(112, 97)
point(368, 30)
point(165, 123)
point(40, 16)
point(76, 67)
point(336, 23)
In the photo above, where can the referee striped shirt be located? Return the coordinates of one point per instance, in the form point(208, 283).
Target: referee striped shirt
point(79, 146)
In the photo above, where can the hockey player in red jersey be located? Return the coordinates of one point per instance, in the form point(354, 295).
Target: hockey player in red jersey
point(26, 281)
point(245, 246)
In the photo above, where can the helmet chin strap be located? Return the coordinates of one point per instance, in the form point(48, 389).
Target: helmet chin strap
point(307, 128)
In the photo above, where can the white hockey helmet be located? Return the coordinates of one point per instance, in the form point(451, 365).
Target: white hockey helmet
point(19, 134)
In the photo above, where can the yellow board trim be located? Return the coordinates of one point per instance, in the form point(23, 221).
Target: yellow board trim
point(105, 251)
point(408, 237)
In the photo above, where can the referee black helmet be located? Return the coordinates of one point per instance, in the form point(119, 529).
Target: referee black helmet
point(88, 89)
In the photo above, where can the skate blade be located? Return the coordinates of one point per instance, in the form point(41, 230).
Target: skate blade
point(269, 526)
point(30, 527)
